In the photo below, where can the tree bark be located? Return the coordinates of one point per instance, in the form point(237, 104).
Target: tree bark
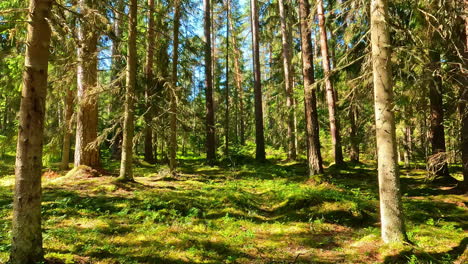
point(353, 135)
point(26, 246)
point(464, 100)
point(67, 130)
point(174, 91)
point(86, 149)
point(126, 171)
point(330, 91)
point(314, 157)
point(259, 133)
point(288, 81)
point(391, 212)
point(226, 133)
point(210, 126)
point(437, 132)
point(240, 89)
point(149, 84)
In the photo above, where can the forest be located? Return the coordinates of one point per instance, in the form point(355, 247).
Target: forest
point(233, 131)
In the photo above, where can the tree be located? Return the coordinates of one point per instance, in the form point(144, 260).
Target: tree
point(259, 136)
point(391, 212)
point(210, 126)
point(149, 84)
point(330, 91)
point(288, 81)
point(226, 127)
point(314, 157)
point(67, 129)
point(126, 172)
point(86, 149)
point(173, 92)
point(26, 246)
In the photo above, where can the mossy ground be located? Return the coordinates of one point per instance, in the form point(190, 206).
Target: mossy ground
point(237, 213)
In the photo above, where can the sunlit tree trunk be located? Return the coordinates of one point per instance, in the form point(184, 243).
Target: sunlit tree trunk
point(314, 157)
point(174, 90)
point(149, 75)
point(240, 89)
point(464, 100)
point(26, 245)
point(126, 171)
point(330, 91)
point(86, 149)
point(288, 81)
point(259, 134)
point(210, 126)
point(67, 130)
point(391, 212)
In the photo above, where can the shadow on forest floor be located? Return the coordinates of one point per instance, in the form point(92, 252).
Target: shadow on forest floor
point(238, 213)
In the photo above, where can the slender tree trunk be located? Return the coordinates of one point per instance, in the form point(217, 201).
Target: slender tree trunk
point(67, 130)
point(407, 146)
point(240, 89)
point(26, 246)
point(314, 157)
point(464, 101)
point(331, 96)
point(126, 172)
point(259, 135)
point(174, 91)
point(391, 212)
point(354, 140)
point(288, 81)
point(437, 133)
point(149, 84)
point(226, 134)
point(210, 126)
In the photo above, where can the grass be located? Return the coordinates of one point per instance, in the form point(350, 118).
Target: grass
point(237, 213)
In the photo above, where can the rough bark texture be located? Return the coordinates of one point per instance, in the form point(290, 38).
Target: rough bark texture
point(149, 75)
point(26, 246)
point(174, 91)
point(67, 130)
point(391, 213)
point(86, 151)
point(259, 133)
point(437, 132)
point(210, 126)
point(314, 157)
point(464, 100)
point(288, 80)
point(126, 171)
point(330, 91)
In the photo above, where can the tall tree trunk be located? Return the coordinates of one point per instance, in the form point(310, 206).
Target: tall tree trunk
point(437, 133)
point(391, 212)
point(126, 172)
point(26, 246)
point(407, 146)
point(331, 96)
point(67, 130)
point(464, 99)
point(314, 157)
point(259, 134)
point(210, 126)
point(226, 133)
point(86, 149)
point(288, 80)
point(240, 89)
point(174, 91)
point(149, 84)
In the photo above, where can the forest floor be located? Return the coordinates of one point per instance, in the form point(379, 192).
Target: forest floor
point(247, 213)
